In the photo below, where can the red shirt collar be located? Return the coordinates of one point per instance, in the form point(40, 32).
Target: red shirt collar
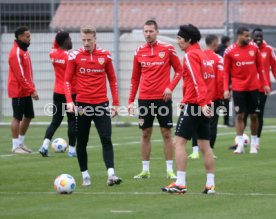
point(192, 47)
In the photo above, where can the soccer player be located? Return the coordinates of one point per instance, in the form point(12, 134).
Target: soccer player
point(21, 89)
point(59, 58)
point(91, 66)
point(243, 59)
point(217, 91)
point(225, 42)
point(194, 118)
point(151, 70)
point(269, 62)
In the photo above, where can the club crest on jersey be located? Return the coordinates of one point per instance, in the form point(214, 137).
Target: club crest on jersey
point(251, 52)
point(141, 122)
point(161, 54)
point(264, 54)
point(101, 60)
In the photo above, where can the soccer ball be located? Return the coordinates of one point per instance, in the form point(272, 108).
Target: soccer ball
point(246, 140)
point(59, 145)
point(64, 184)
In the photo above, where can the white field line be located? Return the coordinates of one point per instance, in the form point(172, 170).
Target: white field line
point(138, 193)
point(121, 211)
point(134, 143)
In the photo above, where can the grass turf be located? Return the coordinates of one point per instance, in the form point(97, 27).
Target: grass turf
point(245, 183)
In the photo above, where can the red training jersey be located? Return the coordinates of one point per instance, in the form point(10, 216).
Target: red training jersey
point(59, 58)
point(217, 61)
point(199, 77)
point(245, 64)
point(20, 79)
point(151, 69)
point(90, 70)
point(269, 62)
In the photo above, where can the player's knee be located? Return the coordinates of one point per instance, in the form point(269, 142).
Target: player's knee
point(82, 141)
point(146, 134)
point(106, 141)
point(56, 122)
point(240, 117)
point(166, 133)
point(254, 117)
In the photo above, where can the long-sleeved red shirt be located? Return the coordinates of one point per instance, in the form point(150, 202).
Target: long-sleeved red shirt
point(217, 62)
point(59, 58)
point(199, 77)
point(151, 69)
point(269, 61)
point(245, 65)
point(20, 80)
point(90, 71)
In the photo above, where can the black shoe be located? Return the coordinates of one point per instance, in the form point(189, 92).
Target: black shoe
point(209, 190)
point(43, 152)
point(234, 147)
point(114, 180)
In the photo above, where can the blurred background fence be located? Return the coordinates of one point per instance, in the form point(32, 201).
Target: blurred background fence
point(120, 31)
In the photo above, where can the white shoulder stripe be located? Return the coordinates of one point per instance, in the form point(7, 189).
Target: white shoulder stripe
point(191, 71)
point(72, 55)
point(19, 62)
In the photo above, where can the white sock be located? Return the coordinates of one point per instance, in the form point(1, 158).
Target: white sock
point(46, 143)
point(146, 165)
point(181, 178)
point(21, 139)
point(110, 172)
point(72, 149)
point(15, 143)
point(258, 141)
point(210, 179)
point(240, 140)
point(254, 139)
point(85, 174)
point(195, 149)
point(169, 164)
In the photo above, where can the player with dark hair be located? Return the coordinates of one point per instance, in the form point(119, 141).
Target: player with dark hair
point(224, 43)
point(21, 89)
point(151, 71)
point(91, 66)
point(199, 77)
point(216, 96)
point(59, 58)
point(243, 59)
point(269, 63)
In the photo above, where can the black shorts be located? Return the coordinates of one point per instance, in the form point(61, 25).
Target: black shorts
point(22, 106)
point(246, 101)
point(192, 122)
point(149, 109)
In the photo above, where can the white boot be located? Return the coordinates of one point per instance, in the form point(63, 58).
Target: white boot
point(239, 150)
point(253, 149)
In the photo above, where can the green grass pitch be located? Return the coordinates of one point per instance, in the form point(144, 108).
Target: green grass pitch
point(245, 184)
